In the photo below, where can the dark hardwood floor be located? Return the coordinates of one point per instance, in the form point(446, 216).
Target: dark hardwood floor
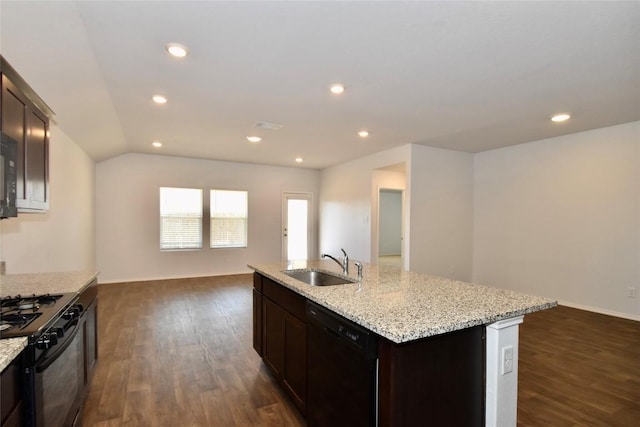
point(578, 368)
point(179, 353)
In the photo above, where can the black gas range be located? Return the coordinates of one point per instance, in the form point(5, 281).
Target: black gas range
point(52, 359)
point(30, 315)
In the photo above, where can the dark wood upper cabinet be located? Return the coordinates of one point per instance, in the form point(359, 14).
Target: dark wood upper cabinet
point(24, 117)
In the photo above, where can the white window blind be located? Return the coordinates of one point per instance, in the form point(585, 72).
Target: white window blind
point(229, 212)
point(180, 218)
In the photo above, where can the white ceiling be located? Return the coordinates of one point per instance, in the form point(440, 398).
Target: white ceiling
point(468, 76)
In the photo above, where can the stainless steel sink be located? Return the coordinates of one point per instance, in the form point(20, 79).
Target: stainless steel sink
point(317, 278)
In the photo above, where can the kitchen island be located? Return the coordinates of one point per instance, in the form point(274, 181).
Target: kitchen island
point(446, 347)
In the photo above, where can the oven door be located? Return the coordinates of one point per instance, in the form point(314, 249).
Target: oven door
point(58, 379)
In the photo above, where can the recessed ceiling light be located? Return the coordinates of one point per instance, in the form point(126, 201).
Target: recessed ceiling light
point(299, 160)
point(337, 88)
point(560, 117)
point(157, 144)
point(177, 50)
point(159, 99)
point(363, 134)
point(254, 138)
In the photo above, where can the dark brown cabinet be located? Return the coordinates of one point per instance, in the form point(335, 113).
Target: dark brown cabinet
point(11, 405)
point(257, 313)
point(25, 118)
point(274, 324)
point(439, 379)
point(280, 336)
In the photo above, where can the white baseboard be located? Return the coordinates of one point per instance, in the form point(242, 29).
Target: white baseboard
point(601, 311)
point(148, 279)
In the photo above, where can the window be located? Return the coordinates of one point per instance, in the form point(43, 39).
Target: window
point(228, 219)
point(180, 218)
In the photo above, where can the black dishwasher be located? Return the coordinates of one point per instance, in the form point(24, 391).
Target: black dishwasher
point(342, 371)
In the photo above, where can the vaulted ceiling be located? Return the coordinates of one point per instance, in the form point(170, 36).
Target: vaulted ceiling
point(468, 76)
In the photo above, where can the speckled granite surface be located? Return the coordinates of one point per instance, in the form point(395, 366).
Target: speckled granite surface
point(404, 306)
point(9, 349)
point(42, 283)
point(38, 283)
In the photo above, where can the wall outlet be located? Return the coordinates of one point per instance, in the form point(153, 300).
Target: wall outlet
point(507, 359)
point(3, 267)
point(631, 291)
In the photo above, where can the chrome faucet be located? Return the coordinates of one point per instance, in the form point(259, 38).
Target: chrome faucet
point(344, 264)
point(359, 267)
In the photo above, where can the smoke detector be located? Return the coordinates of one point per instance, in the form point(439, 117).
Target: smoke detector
point(268, 126)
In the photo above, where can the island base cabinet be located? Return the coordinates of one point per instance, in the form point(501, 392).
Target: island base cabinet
point(285, 350)
point(283, 345)
point(274, 325)
point(257, 321)
point(436, 381)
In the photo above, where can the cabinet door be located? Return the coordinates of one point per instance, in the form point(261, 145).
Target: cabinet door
point(273, 340)
point(257, 321)
point(37, 160)
point(11, 393)
point(295, 373)
point(14, 110)
point(24, 122)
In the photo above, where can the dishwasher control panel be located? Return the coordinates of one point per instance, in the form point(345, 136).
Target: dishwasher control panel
point(363, 339)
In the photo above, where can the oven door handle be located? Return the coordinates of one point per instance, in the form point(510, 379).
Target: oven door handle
point(48, 359)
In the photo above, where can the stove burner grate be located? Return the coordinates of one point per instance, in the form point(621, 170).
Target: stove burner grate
point(32, 302)
point(16, 320)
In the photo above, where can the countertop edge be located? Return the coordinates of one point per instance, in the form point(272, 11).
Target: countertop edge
point(10, 348)
point(52, 282)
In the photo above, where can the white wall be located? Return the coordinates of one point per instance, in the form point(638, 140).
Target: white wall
point(441, 212)
point(347, 201)
point(127, 191)
point(560, 218)
point(63, 239)
point(438, 223)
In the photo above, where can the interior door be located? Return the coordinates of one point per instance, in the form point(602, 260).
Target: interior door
point(296, 226)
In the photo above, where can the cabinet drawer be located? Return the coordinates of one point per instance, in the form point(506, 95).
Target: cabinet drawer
point(285, 298)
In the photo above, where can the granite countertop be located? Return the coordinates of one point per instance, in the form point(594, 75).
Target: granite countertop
point(9, 349)
point(403, 306)
point(38, 283)
point(42, 283)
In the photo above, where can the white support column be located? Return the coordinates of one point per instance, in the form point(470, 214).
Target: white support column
point(502, 373)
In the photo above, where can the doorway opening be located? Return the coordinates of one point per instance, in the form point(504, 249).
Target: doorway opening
point(390, 227)
point(296, 226)
point(389, 239)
